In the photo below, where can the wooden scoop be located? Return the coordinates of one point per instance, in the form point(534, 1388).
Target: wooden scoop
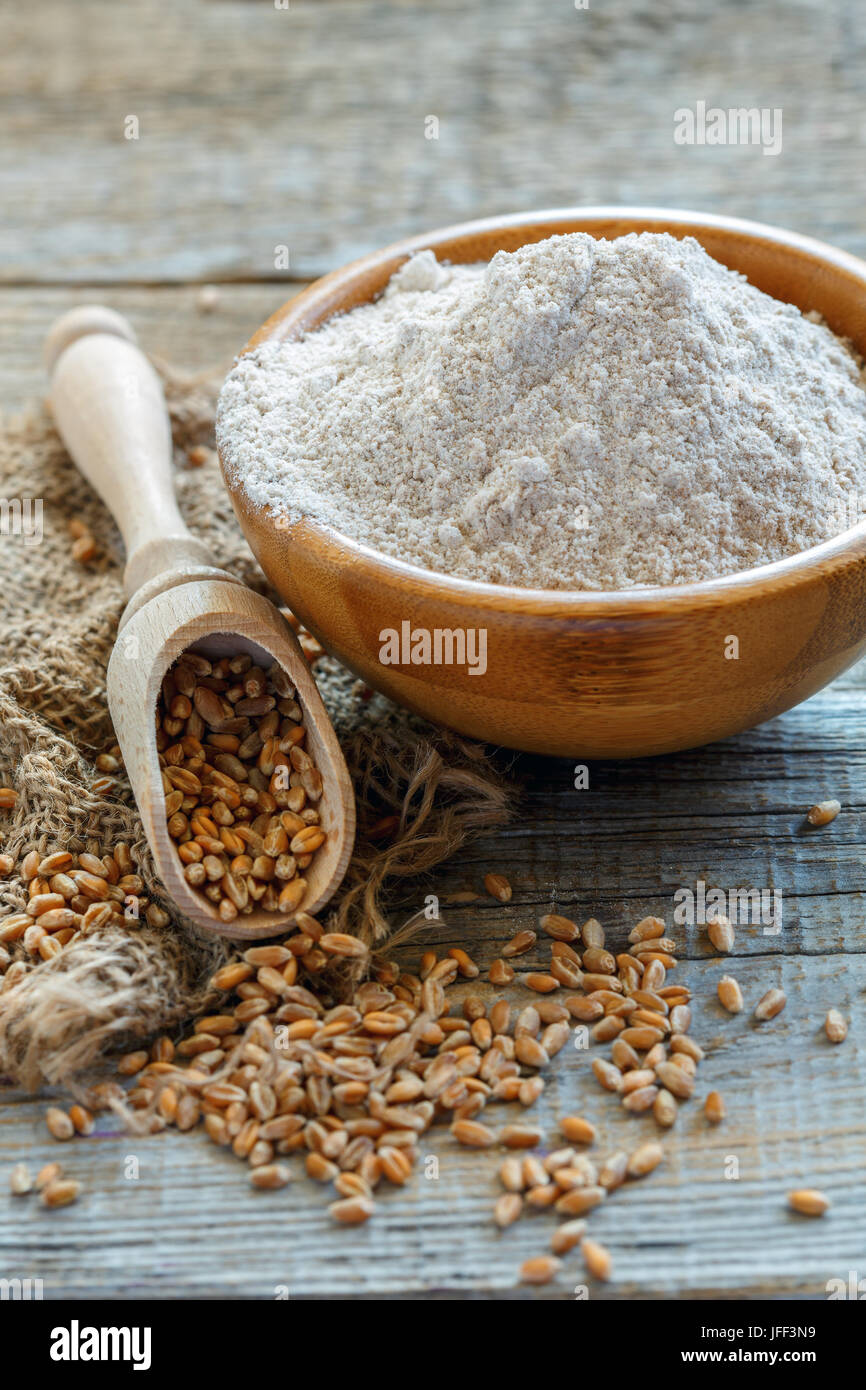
point(110, 410)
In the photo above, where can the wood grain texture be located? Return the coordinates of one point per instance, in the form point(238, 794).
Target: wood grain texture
point(167, 319)
point(305, 128)
point(688, 1229)
point(732, 814)
point(317, 142)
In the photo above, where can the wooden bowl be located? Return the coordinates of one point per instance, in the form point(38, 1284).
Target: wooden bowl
point(588, 674)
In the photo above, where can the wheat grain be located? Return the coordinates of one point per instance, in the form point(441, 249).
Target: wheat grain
point(597, 1259)
point(675, 1079)
point(560, 928)
point(352, 1211)
point(808, 1201)
point(353, 1086)
point(270, 1176)
point(770, 1004)
point(609, 1076)
point(541, 1269)
point(577, 1130)
point(20, 1180)
point(645, 1159)
point(721, 933)
point(500, 973)
point(498, 887)
point(48, 1174)
point(507, 1209)
point(473, 1134)
point(566, 1236)
point(60, 1126)
point(520, 1136)
point(665, 1108)
point(519, 944)
point(580, 1200)
point(730, 994)
point(540, 983)
point(60, 1193)
point(230, 745)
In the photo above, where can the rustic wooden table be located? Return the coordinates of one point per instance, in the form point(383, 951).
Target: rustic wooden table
point(260, 129)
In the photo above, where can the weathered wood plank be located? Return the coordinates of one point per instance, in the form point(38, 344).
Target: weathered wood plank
point(689, 1230)
point(732, 814)
point(307, 127)
point(189, 1227)
point(168, 320)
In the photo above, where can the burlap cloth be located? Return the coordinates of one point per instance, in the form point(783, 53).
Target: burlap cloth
point(58, 621)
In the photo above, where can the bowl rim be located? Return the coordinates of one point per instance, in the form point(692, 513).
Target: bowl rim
point(847, 547)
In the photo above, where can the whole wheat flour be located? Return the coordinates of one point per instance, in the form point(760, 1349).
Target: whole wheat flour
point(578, 414)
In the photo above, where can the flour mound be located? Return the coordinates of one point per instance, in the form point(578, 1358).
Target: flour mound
point(577, 414)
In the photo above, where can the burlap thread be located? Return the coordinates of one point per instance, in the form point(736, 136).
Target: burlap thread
point(58, 621)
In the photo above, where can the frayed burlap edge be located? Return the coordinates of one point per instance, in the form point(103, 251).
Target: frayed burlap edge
point(106, 990)
point(433, 790)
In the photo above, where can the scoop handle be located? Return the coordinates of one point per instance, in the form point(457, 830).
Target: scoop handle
point(109, 407)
